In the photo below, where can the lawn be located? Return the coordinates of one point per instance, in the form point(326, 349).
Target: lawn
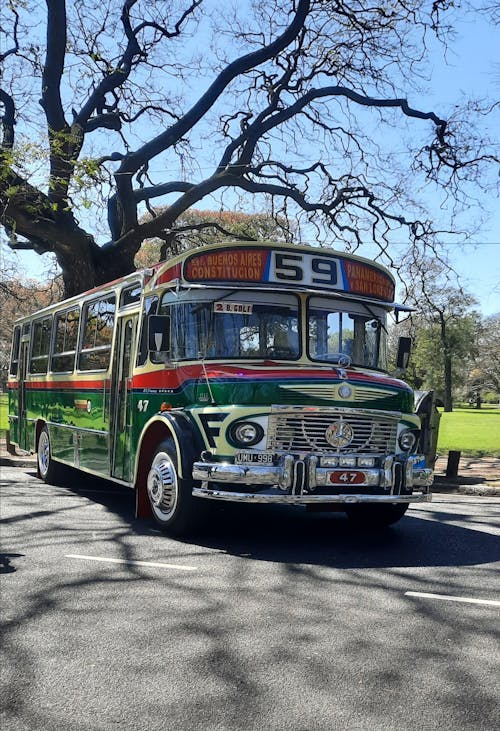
point(474, 432)
point(4, 422)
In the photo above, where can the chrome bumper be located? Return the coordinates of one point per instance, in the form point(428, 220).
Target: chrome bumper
point(294, 481)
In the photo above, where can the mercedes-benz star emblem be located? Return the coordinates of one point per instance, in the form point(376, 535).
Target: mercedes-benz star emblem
point(339, 434)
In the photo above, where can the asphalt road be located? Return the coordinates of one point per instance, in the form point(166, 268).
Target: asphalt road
point(272, 619)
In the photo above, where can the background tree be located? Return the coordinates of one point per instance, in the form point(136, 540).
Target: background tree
point(483, 377)
point(300, 104)
point(198, 228)
point(18, 297)
point(444, 326)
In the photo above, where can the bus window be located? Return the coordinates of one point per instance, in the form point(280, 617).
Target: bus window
point(130, 295)
point(150, 304)
point(14, 358)
point(353, 333)
point(40, 343)
point(98, 321)
point(236, 325)
point(66, 338)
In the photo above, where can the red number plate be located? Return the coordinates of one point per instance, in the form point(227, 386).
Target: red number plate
point(347, 477)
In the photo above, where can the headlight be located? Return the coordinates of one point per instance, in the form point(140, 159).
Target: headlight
point(245, 433)
point(407, 440)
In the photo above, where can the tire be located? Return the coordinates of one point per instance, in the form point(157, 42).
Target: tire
point(48, 470)
point(376, 516)
point(174, 508)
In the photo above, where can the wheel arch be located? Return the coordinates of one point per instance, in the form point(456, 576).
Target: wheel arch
point(185, 438)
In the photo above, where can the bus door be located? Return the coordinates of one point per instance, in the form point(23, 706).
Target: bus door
point(120, 403)
point(22, 404)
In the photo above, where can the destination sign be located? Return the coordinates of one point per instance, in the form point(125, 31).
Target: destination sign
point(264, 265)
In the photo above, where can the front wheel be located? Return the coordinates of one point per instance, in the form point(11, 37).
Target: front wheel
point(174, 508)
point(376, 516)
point(48, 470)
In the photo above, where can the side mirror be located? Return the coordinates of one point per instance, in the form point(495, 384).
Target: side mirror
point(403, 356)
point(159, 333)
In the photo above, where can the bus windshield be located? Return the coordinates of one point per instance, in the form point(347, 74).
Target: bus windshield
point(218, 324)
point(345, 333)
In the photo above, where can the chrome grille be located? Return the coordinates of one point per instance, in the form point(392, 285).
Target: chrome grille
point(305, 432)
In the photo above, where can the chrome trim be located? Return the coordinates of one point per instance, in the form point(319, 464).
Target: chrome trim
point(275, 497)
point(281, 474)
point(279, 408)
point(72, 427)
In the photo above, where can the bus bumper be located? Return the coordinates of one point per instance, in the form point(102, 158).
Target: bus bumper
point(304, 481)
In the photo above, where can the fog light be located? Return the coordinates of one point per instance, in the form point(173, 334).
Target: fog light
point(347, 462)
point(329, 461)
point(366, 461)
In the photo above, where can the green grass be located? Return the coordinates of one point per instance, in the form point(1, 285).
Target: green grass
point(4, 409)
point(474, 432)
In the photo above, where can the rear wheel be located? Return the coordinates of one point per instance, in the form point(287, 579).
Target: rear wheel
point(376, 516)
point(174, 508)
point(48, 470)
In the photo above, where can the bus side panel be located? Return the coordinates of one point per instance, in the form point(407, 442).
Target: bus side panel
point(91, 419)
point(93, 451)
point(62, 441)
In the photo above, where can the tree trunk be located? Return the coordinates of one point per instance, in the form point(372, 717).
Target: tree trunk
point(448, 401)
point(84, 268)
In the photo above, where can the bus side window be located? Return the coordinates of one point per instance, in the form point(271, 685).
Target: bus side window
point(40, 344)
point(99, 318)
point(14, 358)
point(65, 341)
point(150, 305)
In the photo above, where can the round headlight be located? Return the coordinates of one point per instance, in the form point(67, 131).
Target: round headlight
point(407, 440)
point(245, 433)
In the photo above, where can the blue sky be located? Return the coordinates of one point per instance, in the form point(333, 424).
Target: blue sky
point(474, 69)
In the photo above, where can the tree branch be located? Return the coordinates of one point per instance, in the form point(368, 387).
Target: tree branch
point(162, 142)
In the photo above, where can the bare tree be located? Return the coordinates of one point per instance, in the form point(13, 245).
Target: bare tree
point(301, 104)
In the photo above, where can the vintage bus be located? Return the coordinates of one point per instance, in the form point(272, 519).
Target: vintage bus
point(242, 371)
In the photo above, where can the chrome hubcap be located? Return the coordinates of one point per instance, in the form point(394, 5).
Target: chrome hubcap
point(43, 453)
point(162, 484)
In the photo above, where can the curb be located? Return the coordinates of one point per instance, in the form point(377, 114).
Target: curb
point(17, 461)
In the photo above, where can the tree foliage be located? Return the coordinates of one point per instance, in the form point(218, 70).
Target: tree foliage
point(484, 372)
point(303, 105)
point(20, 297)
point(198, 228)
point(444, 326)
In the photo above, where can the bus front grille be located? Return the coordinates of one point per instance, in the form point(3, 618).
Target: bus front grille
point(306, 432)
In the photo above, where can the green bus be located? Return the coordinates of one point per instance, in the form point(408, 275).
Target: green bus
point(240, 371)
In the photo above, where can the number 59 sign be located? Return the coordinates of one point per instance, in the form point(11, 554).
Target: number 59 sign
point(291, 267)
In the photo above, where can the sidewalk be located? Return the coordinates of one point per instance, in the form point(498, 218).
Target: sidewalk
point(18, 459)
point(476, 475)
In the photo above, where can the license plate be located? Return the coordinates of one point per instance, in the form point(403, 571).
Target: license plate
point(253, 458)
point(347, 477)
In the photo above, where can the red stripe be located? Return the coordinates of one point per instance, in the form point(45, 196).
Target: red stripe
point(70, 385)
point(170, 378)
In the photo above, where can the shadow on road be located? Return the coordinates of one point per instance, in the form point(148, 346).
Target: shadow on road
point(291, 535)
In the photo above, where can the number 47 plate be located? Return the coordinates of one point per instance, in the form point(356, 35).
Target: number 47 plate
point(347, 477)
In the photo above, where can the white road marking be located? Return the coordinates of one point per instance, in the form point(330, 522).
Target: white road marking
point(132, 563)
point(444, 597)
